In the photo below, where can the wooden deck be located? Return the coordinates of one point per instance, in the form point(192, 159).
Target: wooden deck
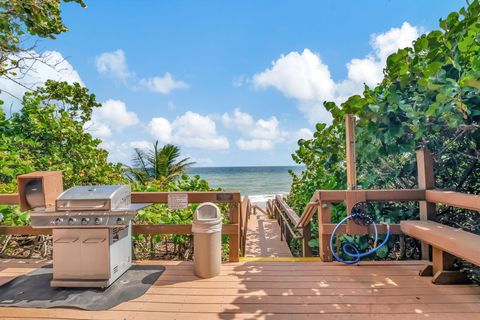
point(263, 238)
point(279, 290)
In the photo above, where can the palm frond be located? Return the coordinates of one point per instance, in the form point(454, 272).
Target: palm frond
point(159, 163)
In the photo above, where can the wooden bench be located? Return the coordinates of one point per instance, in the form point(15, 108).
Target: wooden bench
point(447, 243)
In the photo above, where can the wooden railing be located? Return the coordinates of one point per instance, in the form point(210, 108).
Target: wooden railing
point(298, 227)
point(288, 221)
point(232, 229)
point(247, 208)
point(323, 199)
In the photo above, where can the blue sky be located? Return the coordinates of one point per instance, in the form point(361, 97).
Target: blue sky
point(231, 82)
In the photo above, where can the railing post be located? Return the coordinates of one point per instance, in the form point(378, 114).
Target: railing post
point(240, 227)
point(307, 236)
point(244, 217)
point(426, 181)
point(324, 216)
point(350, 150)
point(234, 242)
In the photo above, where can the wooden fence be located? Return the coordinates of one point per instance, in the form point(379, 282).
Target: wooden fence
point(292, 225)
point(298, 227)
point(235, 228)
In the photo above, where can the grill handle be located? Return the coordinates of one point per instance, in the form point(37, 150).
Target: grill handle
point(74, 207)
point(94, 240)
point(66, 240)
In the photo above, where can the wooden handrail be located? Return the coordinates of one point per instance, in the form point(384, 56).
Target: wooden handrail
point(246, 208)
point(307, 214)
point(290, 221)
point(269, 207)
point(232, 229)
point(287, 224)
point(373, 195)
point(10, 199)
point(309, 211)
point(327, 196)
point(257, 207)
point(193, 197)
point(327, 228)
point(137, 229)
point(241, 210)
point(155, 197)
point(454, 199)
point(292, 215)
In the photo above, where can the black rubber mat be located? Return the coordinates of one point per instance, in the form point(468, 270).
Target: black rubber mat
point(33, 290)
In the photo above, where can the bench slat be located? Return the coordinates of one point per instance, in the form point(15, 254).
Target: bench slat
point(457, 242)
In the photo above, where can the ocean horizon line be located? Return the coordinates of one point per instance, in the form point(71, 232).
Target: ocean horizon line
point(247, 166)
point(261, 181)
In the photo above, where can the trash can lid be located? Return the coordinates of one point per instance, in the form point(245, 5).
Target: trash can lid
point(207, 212)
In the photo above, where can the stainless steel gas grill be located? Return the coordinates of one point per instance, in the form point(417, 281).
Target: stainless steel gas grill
point(92, 243)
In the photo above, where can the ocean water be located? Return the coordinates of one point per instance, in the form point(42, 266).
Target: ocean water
point(259, 183)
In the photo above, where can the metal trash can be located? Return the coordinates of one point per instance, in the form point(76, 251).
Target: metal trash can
point(207, 239)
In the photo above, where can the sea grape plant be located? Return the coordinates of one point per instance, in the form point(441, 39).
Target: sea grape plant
point(429, 97)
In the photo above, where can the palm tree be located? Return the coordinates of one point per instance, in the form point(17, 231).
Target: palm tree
point(158, 163)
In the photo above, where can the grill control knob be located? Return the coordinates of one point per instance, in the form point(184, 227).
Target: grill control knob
point(58, 221)
point(85, 221)
point(98, 220)
point(120, 220)
point(72, 221)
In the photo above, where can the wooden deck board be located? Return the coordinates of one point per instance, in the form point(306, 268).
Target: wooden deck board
point(278, 290)
point(263, 238)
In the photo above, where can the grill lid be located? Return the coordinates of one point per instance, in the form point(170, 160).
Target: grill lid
point(91, 192)
point(108, 197)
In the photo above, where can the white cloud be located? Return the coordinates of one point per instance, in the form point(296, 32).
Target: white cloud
point(368, 70)
point(389, 42)
point(114, 112)
point(112, 116)
point(267, 129)
point(56, 67)
point(304, 77)
point(195, 130)
point(261, 134)
point(301, 76)
point(254, 144)
point(161, 129)
point(303, 133)
point(163, 85)
point(122, 152)
point(238, 120)
point(190, 130)
point(114, 64)
point(37, 69)
point(314, 111)
point(140, 144)
point(98, 130)
point(260, 129)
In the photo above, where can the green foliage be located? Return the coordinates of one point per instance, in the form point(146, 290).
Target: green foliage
point(12, 216)
point(429, 98)
point(160, 214)
point(19, 18)
point(48, 134)
point(158, 164)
